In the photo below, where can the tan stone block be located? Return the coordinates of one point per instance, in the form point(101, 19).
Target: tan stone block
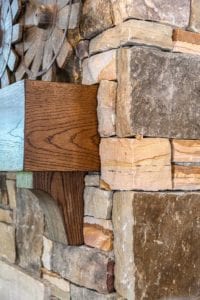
point(195, 16)
point(11, 188)
point(11, 176)
point(187, 151)
point(7, 242)
point(99, 67)
point(186, 177)
point(80, 293)
point(107, 96)
point(47, 253)
point(6, 216)
point(133, 32)
point(106, 224)
point(128, 164)
point(98, 237)
point(184, 47)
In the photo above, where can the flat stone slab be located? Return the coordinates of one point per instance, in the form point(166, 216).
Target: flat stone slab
point(158, 94)
point(157, 240)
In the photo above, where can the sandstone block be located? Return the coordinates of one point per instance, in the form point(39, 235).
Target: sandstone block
point(7, 242)
point(6, 216)
point(11, 189)
point(97, 203)
point(92, 180)
point(16, 285)
point(47, 253)
point(99, 67)
point(98, 237)
point(133, 32)
point(128, 164)
point(159, 105)
point(3, 191)
point(163, 234)
point(186, 177)
point(84, 266)
point(106, 224)
point(96, 17)
point(186, 42)
point(107, 97)
point(80, 293)
point(186, 151)
point(165, 11)
point(195, 16)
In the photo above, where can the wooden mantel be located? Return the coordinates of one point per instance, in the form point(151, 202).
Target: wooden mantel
point(50, 129)
point(46, 126)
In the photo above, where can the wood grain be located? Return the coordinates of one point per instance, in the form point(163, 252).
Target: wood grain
point(67, 190)
point(61, 127)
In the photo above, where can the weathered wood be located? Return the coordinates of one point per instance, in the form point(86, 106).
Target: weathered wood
point(67, 189)
point(60, 132)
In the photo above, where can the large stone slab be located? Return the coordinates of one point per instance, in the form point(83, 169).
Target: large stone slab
point(16, 285)
point(157, 243)
point(158, 94)
point(84, 266)
point(165, 11)
point(128, 164)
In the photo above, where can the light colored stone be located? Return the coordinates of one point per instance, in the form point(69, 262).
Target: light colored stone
point(97, 203)
point(107, 224)
point(107, 97)
point(47, 253)
point(80, 293)
point(24, 180)
point(195, 16)
point(11, 188)
point(3, 190)
point(7, 242)
point(16, 285)
point(186, 177)
point(11, 176)
point(92, 180)
point(184, 47)
point(128, 164)
point(6, 216)
point(123, 222)
point(99, 67)
point(84, 266)
point(98, 237)
point(96, 17)
point(174, 12)
point(133, 32)
point(186, 151)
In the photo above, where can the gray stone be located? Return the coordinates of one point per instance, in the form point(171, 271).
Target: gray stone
point(7, 242)
point(92, 180)
point(16, 285)
point(165, 11)
point(97, 203)
point(80, 293)
point(84, 266)
point(195, 16)
point(30, 229)
point(96, 17)
point(6, 216)
point(161, 231)
point(158, 94)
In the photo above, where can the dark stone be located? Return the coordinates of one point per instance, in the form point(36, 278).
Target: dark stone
point(96, 17)
point(159, 95)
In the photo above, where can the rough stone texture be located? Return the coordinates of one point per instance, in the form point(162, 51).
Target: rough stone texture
point(16, 285)
point(186, 151)
point(97, 203)
point(158, 94)
point(195, 16)
point(166, 238)
point(128, 164)
point(106, 224)
point(11, 188)
point(96, 17)
point(47, 253)
point(84, 266)
point(80, 293)
point(99, 67)
point(165, 11)
point(92, 180)
point(7, 242)
point(98, 237)
point(3, 191)
point(184, 47)
point(30, 229)
point(6, 216)
point(186, 177)
point(82, 49)
point(133, 32)
point(123, 222)
point(107, 96)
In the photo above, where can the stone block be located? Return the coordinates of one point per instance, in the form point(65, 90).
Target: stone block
point(97, 203)
point(158, 94)
point(96, 17)
point(11, 189)
point(161, 231)
point(82, 49)
point(99, 67)
point(92, 180)
point(186, 177)
point(47, 253)
point(128, 164)
point(186, 42)
point(98, 237)
point(7, 242)
point(164, 11)
point(3, 191)
point(80, 293)
point(195, 16)
point(6, 216)
point(84, 266)
point(16, 285)
point(133, 32)
point(107, 97)
point(106, 224)
point(186, 151)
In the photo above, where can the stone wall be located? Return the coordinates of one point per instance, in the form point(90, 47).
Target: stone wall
point(142, 212)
